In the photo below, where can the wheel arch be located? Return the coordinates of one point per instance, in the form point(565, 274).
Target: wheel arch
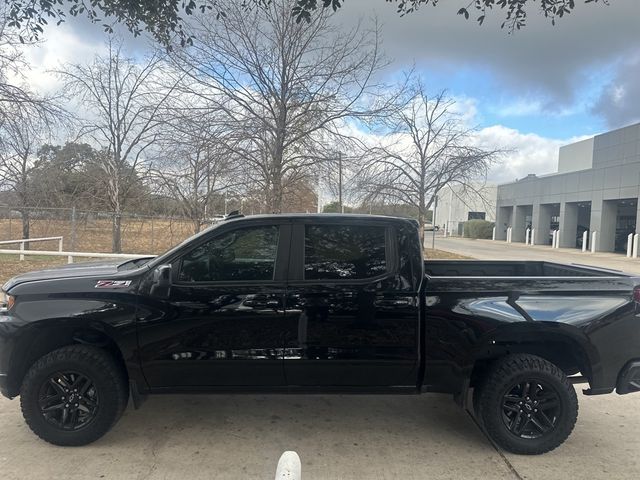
point(42, 339)
point(564, 347)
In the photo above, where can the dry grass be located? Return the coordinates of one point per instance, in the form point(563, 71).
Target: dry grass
point(443, 255)
point(142, 235)
point(10, 265)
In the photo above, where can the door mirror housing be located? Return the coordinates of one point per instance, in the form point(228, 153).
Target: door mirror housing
point(161, 286)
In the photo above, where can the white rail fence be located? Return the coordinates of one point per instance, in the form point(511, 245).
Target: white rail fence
point(70, 255)
point(23, 241)
point(60, 253)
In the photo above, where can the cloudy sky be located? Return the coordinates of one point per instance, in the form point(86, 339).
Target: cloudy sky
point(530, 91)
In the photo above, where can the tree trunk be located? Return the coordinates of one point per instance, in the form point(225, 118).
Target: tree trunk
point(275, 203)
point(25, 226)
point(421, 224)
point(116, 233)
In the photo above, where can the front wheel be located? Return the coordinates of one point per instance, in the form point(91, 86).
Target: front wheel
point(73, 395)
point(527, 405)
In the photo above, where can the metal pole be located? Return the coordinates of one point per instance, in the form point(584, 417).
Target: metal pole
point(73, 229)
point(340, 182)
point(433, 223)
point(450, 206)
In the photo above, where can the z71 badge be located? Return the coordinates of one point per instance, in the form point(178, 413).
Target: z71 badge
point(113, 283)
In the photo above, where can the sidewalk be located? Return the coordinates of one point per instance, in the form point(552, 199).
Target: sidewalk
point(501, 250)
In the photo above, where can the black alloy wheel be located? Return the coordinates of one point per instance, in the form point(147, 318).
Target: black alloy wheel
point(68, 400)
point(531, 409)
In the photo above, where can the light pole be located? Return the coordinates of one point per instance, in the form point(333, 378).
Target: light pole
point(340, 182)
point(433, 222)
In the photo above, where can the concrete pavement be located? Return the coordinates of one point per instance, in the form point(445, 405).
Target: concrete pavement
point(494, 250)
point(337, 437)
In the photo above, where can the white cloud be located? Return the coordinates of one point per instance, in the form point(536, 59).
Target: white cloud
point(528, 152)
point(525, 152)
point(61, 45)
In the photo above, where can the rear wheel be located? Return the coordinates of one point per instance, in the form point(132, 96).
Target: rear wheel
point(73, 395)
point(527, 405)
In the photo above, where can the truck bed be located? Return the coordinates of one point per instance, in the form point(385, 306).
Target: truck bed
point(512, 268)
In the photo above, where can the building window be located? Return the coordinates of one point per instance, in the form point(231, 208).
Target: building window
point(476, 216)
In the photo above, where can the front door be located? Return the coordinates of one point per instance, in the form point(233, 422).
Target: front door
point(222, 324)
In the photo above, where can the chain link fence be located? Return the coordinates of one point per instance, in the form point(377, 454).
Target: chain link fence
point(91, 231)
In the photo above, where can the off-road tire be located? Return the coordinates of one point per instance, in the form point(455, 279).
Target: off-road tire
point(99, 366)
point(506, 374)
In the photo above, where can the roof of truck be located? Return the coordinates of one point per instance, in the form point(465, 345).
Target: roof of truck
point(321, 216)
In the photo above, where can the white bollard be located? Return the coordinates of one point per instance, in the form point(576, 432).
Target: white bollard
point(493, 235)
point(553, 238)
point(558, 238)
point(527, 236)
point(629, 245)
point(22, 249)
point(533, 236)
point(289, 467)
point(634, 252)
point(585, 238)
point(594, 239)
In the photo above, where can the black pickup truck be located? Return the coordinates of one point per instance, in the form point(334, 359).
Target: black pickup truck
point(318, 303)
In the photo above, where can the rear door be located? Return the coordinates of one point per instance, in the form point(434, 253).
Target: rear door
point(351, 319)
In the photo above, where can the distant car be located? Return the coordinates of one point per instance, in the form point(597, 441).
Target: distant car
point(428, 227)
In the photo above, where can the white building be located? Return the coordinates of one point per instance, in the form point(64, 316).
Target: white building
point(456, 205)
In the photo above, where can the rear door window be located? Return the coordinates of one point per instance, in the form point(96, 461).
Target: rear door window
point(344, 252)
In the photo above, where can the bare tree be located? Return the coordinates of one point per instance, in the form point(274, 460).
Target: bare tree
point(25, 121)
point(282, 85)
point(195, 164)
point(20, 139)
point(16, 99)
point(124, 99)
point(426, 147)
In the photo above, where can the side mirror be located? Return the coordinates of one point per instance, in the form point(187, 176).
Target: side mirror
point(161, 285)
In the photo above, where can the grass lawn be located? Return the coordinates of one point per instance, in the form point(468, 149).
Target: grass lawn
point(10, 265)
point(443, 255)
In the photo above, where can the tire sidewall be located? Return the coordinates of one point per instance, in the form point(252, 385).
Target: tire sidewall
point(492, 420)
point(107, 398)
